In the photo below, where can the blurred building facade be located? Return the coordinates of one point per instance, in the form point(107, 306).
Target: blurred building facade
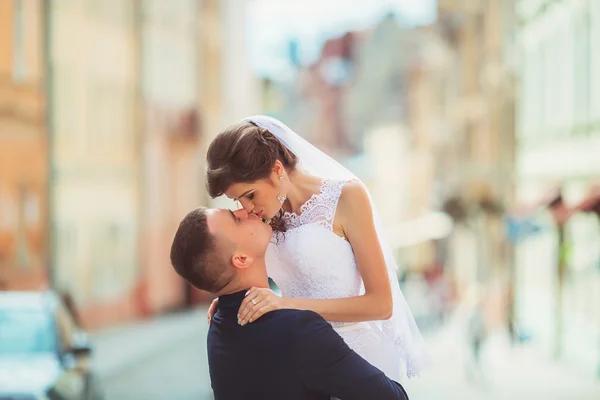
point(229, 90)
point(95, 159)
point(133, 166)
point(23, 145)
point(558, 168)
point(382, 56)
point(171, 154)
point(92, 191)
point(470, 126)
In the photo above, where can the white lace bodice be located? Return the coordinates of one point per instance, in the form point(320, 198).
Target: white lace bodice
point(310, 260)
point(314, 262)
point(319, 209)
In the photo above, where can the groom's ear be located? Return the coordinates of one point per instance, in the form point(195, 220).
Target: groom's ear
point(241, 261)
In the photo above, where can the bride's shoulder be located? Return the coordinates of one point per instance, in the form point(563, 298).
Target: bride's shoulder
point(354, 197)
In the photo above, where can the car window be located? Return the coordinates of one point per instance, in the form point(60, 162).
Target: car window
point(25, 332)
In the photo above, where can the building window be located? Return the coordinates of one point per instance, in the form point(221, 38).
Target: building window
point(570, 69)
point(581, 73)
point(564, 65)
point(68, 241)
point(119, 13)
point(65, 101)
point(594, 48)
point(113, 259)
point(18, 41)
point(110, 116)
point(536, 74)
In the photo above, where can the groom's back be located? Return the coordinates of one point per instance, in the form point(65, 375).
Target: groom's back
point(256, 361)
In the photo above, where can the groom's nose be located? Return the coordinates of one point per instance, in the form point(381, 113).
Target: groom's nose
point(241, 213)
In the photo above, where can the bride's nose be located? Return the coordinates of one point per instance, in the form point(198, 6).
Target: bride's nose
point(248, 205)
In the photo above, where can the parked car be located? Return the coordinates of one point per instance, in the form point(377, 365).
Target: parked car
point(44, 355)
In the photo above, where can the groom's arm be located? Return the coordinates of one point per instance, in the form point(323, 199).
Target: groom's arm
point(327, 365)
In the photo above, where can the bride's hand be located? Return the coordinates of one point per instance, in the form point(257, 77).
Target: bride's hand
point(212, 309)
point(257, 303)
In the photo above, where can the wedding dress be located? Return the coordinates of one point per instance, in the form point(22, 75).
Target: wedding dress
point(311, 261)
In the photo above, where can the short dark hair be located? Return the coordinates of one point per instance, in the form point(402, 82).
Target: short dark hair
point(195, 254)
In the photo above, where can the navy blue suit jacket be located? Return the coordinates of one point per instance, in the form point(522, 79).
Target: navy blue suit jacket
point(288, 354)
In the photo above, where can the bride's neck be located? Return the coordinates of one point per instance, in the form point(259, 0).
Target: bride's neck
point(302, 186)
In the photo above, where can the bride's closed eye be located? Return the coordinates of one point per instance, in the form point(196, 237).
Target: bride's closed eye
point(250, 196)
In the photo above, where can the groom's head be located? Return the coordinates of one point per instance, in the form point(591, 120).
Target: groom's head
point(215, 250)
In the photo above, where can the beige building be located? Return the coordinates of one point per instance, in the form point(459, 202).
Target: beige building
point(136, 90)
point(559, 143)
point(463, 129)
point(95, 196)
point(139, 89)
point(172, 180)
point(23, 146)
point(228, 91)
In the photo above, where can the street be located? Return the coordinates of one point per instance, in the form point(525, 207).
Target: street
point(505, 371)
point(179, 373)
point(160, 358)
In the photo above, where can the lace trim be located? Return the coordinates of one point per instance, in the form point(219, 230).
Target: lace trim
point(319, 208)
point(292, 215)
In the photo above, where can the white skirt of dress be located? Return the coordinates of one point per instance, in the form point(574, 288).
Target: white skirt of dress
point(366, 339)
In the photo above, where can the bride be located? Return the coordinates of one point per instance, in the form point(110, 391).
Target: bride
point(328, 253)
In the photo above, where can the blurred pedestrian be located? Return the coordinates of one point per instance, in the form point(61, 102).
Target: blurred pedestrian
point(476, 335)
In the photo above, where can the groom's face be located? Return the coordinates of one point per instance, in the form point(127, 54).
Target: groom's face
point(246, 232)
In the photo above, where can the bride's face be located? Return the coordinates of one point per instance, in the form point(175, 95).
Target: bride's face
point(259, 197)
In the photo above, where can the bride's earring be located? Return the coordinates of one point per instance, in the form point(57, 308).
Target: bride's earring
point(281, 198)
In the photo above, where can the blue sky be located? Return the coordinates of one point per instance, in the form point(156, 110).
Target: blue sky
point(272, 23)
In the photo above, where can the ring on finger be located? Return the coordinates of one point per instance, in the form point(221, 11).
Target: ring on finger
point(253, 301)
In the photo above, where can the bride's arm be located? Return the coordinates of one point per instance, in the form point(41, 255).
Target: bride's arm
point(356, 217)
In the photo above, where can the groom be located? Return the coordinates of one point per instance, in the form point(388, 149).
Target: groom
point(286, 354)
